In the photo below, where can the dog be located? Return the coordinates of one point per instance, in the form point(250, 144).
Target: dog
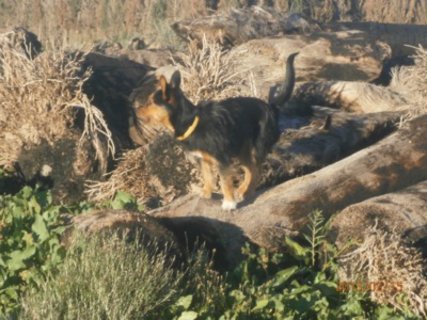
point(218, 132)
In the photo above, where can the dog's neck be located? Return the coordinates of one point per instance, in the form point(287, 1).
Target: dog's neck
point(185, 119)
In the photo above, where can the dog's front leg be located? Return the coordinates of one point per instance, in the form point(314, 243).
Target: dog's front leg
point(226, 179)
point(208, 179)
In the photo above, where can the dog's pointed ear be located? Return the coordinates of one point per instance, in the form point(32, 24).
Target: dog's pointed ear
point(175, 80)
point(164, 87)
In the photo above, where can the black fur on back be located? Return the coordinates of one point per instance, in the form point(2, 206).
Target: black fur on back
point(226, 127)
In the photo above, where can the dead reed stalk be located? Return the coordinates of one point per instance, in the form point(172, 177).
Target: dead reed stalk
point(411, 82)
point(393, 272)
point(39, 99)
point(209, 73)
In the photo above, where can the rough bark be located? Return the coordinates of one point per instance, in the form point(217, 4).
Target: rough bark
point(308, 144)
point(346, 56)
point(404, 212)
point(394, 163)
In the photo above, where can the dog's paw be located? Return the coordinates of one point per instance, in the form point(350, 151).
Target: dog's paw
point(228, 205)
point(240, 196)
point(244, 194)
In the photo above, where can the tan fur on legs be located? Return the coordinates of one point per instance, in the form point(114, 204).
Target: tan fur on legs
point(248, 185)
point(208, 178)
point(226, 180)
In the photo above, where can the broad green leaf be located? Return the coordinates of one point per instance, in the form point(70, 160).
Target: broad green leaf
point(185, 301)
point(12, 292)
point(17, 258)
point(39, 228)
point(123, 200)
point(298, 251)
point(284, 275)
point(261, 304)
point(188, 315)
point(34, 206)
point(26, 192)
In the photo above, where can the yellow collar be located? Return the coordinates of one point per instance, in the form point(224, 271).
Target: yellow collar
point(190, 129)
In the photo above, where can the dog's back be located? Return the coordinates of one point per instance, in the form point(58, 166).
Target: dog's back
point(233, 124)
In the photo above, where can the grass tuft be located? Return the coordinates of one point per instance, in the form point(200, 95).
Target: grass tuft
point(109, 278)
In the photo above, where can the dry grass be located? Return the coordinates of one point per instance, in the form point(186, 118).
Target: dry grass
point(398, 271)
point(395, 11)
point(38, 101)
point(411, 82)
point(126, 177)
point(209, 73)
point(74, 22)
point(77, 22)
point(146, 174)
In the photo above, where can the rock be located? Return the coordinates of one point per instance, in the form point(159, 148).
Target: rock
point(155, 58)
point(179, 237)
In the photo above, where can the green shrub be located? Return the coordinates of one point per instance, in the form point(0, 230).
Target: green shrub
point(29, 243)
point(108, 278)
point(299, 283)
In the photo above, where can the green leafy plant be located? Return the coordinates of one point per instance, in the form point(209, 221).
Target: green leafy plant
point(301, 282)
point(111, 278)
point(29, 243)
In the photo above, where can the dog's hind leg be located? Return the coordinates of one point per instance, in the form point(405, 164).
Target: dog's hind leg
point(249, 183)
point(226, 179)
point(249, 159)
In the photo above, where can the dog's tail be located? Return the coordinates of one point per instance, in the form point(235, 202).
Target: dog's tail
point(279, 95)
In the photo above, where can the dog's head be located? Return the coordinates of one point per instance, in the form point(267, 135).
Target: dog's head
point(154, 103)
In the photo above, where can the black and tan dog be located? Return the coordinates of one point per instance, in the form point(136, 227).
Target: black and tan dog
point(218, 132)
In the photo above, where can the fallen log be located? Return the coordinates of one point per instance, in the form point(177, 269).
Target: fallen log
point(328, 137)
point(403, 212)
point(241, 25)
point(394, 163)
point(128, 224)
point(345, 55)
point(398, 35)
point(350, 96)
